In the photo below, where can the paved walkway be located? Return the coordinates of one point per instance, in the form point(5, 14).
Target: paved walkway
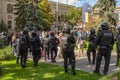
point(81, 64)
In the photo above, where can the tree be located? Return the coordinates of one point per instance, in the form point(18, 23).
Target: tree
point(28, 14)
point(47, 16)
point(107, 12)
point(20, 19)
point(3, 26)
point(73, 15)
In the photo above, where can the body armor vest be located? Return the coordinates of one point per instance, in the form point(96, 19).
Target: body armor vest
point(64, 40)
point(106, 38)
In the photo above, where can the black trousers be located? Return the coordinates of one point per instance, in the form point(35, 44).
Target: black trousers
point(23, 54)
point(17, 57)
point(69, 56)
point(53, 51)
point(118, 55)
point(106, 53)
point(36, 56)
point(46, 53)
point(91, 49)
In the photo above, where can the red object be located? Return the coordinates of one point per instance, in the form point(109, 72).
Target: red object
point(10, 17)
point(43, 54)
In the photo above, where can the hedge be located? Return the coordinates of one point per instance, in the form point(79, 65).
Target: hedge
point(6, 53)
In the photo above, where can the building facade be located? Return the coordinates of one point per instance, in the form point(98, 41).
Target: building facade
point(6, 11)
point(118, 12)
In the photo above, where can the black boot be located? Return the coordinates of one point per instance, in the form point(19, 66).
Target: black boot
point(96, 72)
point(17, 61)
point(66, 68)
point(73, 70)
point(35, 65)
point(54, 60)
point(23, 66)
point(73, 73)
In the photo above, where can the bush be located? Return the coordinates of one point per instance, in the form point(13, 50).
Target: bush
point(2, 43)
point(6, 53)
point(0, 69)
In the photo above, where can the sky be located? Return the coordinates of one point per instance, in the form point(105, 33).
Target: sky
point(79, 3)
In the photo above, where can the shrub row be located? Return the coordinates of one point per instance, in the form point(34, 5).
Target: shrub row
point(6, 53)
point(2, 41)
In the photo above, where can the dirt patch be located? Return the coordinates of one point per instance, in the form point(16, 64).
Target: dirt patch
point(114, 78)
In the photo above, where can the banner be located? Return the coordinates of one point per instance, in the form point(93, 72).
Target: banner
point(84, 10)
point(86, 17)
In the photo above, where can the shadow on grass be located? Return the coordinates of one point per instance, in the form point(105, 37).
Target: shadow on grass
point(12, 71)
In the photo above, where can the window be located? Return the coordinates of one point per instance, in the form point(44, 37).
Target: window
point(9, 24)
point(119, 16)
point(9, 8)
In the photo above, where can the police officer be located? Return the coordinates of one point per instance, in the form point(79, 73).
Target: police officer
point(35, 45)
point(91, 47)
point(105, 40)
point(118, 46)
point(53, 43)
point(23, 46)
point(68, 44)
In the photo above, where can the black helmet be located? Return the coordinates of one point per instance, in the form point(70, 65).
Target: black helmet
point(25, 30)
point(67, 29)
point(34, 33)
point(51, 33)
point(104, 26)
point(92, 31)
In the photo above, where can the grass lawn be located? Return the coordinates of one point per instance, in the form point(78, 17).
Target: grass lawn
point(12, 71)
point(114, 76)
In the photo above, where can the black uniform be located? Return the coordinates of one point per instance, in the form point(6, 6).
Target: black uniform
point(53, 43)
point(105, 40)
point(91, 47)
point(35, 44)
point(68, 44)
point(23, 47)
point(118, 47)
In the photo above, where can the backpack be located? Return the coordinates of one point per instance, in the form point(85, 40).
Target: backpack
point(33, 43)
point(53, 41)
point(22, 41)
point(106, 38)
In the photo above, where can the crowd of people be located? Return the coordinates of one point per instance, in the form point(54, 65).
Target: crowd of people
point(62, 43)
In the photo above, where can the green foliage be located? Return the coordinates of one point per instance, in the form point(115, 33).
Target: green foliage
point(28, 14)
point(42, 72)
point(47, 16)
point(114, 76)
point(2, 43)
point(33, 13)
point(0, 70)
point(73, 15)
point(6, 53)
point(20, 9)
point(107, 12)
point(3, 26)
